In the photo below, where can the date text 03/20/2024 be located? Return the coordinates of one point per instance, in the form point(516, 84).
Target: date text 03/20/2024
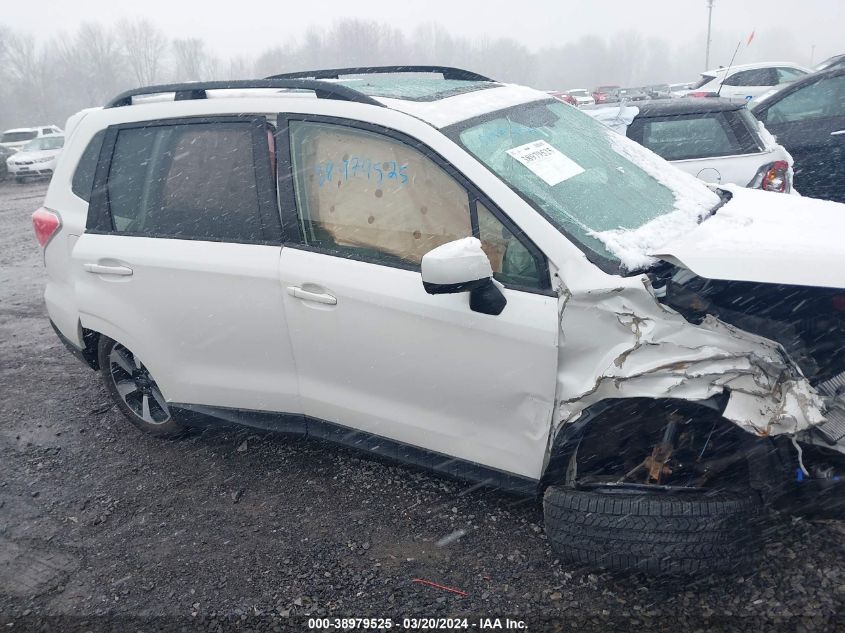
point(416, 624)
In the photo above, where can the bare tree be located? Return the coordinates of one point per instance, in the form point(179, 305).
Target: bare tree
point(191, 61)
point(145, 47)
point(94, 65)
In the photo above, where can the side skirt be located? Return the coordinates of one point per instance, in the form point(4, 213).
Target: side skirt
point(201, 415)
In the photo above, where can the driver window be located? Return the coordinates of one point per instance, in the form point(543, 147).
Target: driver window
point(512, 262)
point(375, 197)
point(367, 194)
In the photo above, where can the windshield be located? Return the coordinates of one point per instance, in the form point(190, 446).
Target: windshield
point(17, 137)
point(614, 198)
point(45, 142)
point(579, 93)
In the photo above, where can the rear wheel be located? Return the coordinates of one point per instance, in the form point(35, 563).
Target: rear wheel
point(135, 391)
point(19, 179)
point(631, 527)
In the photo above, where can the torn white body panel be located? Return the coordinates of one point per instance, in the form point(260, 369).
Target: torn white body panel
point(640, 348)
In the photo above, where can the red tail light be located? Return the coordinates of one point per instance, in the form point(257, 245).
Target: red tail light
point(702, 94)
point(839, 302)
point(45, 223)
point(773, 177)
point(776, 177)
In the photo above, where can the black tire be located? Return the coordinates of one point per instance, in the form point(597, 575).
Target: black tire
point(679, 533)
point(19, 179)
point(158, 422)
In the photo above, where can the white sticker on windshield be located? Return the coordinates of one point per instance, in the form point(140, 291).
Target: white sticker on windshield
point(546, 161)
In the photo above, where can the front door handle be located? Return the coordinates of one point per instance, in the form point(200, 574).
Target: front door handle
point(837, 132)
point(100, 269)
point(307, 295)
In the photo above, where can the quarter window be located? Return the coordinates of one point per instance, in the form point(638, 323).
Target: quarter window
point(789, 74)
point(186, 181)
point(83, 177)
point(371, 196)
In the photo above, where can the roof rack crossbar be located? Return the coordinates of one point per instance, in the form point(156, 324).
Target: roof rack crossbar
point(197, 90)
point(448, 72)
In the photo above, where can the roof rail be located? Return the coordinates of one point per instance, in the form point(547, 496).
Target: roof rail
point(197, 90)
point(335, 73)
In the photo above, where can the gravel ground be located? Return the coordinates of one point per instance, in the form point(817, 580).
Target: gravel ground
point(102, 528)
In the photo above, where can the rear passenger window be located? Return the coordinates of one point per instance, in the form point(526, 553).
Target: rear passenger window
point(755, 77)
point(83, 177)
point(186, 181)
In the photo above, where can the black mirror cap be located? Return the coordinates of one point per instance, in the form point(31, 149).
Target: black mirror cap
point(448, 289)
point(487, 298)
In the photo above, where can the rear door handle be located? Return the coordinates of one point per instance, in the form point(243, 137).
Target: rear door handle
point(307, 295)
point(99, 269)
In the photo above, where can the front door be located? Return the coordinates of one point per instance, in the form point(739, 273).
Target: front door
point(179, 261)
point(374, 351)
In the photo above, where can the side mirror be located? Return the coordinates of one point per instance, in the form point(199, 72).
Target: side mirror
point(462, 266)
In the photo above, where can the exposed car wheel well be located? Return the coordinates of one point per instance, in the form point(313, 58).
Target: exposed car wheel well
point(90, 343)
point(629, 441)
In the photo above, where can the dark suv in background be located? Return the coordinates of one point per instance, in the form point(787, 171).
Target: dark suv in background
point(808, 119)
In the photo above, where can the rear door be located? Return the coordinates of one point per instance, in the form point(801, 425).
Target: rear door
point(809, 121)
point(179, 260)
point(374, 351)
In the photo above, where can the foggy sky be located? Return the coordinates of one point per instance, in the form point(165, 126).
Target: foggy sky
point(247, 28)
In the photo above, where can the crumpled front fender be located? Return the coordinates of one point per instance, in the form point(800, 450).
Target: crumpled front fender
point(622, 343)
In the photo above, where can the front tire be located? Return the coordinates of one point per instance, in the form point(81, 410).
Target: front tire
point(630, 528)
point(134, 390)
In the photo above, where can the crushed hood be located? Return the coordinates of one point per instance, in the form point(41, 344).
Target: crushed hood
point(766, 237)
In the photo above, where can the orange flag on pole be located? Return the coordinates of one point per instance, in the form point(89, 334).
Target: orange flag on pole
point(750, 37)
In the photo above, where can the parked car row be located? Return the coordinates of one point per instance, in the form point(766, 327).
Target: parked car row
point(741, 82)
point(716, 140)
point(30, 152)
point(798, 135)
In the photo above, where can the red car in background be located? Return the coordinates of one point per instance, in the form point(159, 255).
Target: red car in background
point(562, 96)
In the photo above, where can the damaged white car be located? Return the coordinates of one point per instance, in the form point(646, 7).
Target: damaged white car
point(461, 274)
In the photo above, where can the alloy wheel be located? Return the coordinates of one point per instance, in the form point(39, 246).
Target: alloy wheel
point(136, 386)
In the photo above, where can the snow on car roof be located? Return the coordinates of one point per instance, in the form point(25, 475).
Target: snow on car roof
point(688, 105)
point(414, 88)
point(454, 108)
point(751, 66)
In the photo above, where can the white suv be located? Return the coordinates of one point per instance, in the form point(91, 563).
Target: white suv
point(460, 274)
point(15, 139)
point(745, 82)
